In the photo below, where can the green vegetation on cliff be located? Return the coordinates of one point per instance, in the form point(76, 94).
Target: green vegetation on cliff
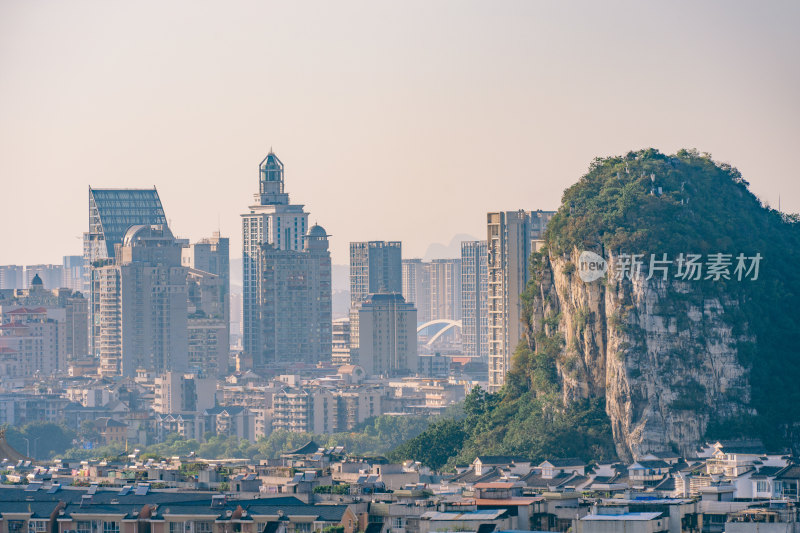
point(649, 203)
point(526, 418)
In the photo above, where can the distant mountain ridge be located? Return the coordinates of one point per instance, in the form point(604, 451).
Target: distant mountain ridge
point(449, 251)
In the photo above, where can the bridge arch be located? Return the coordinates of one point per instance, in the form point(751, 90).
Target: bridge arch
point(450, 324)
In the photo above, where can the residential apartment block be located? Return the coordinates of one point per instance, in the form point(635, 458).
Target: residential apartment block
point(474, 293)
point(287, 277)
point(142, 305)
point(511, 237)
point(387, 335)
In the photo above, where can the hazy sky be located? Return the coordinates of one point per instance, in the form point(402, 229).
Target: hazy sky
point(395, 120)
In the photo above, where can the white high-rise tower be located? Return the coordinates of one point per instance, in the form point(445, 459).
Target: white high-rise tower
point(273, 221)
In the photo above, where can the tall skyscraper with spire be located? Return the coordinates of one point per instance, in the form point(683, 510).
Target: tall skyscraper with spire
point(283, 262)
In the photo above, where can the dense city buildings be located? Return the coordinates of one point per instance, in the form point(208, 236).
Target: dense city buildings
point(11, 276)
point(321, 410)
point(474, 292)
point(295, 310)
point(68, 275)
point(50, 275)
point(340, 342)
point(176, 392)
point(434, 288)
point(212, 255)
point(208, 280)
point(111, 213)
point(31, 342)
point(387, 336)
point(142, 304)
point(300, 410)
point(208, 335)
point(286, 300)
point(511, 238)
point(416, 287)
point(445, 289)
point(375, 266)
point(73, 270)
point(43, 329)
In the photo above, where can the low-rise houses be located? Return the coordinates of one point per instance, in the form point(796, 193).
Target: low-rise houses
point(312, 488)
point(132, 509)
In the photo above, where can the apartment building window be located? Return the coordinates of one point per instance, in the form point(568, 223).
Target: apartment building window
point(37, 526)
point(203, 527)
point(304, 527)
point(110, 527)
point(176, 527)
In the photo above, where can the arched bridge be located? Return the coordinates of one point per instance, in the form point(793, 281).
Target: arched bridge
point(450, 324)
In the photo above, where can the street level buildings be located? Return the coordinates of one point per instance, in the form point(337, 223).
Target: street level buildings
point(178, 393)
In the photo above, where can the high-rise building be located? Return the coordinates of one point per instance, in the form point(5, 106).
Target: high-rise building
point(208, 264)
point(286, 294)
point(340, 342)
point(208, 328)
point(433, 287)
point(375, 266)
point(236, 320)
point(445, 288)
point(295, 310)
point(11, 277)
point(474, 318)
point(212, 255)
point(416, 287)
point(112, 212)
point(73, 272)
point(142, 301)
point(387, 338)
point(511, 237)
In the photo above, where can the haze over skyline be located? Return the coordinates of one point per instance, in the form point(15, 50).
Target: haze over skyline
point(404, 121)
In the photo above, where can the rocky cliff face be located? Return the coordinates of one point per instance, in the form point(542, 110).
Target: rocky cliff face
point(663, 353)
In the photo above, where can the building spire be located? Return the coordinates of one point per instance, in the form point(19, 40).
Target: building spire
point(270, 177)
